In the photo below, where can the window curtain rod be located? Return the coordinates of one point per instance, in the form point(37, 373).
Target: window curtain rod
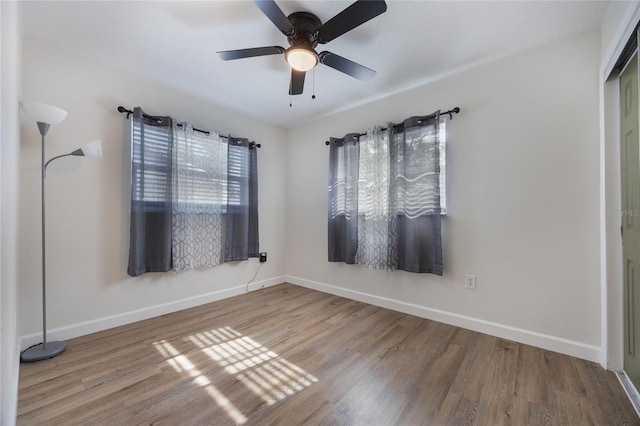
point(450, 113)
point(123, 110)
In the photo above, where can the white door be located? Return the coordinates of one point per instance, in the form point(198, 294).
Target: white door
point(630, 186)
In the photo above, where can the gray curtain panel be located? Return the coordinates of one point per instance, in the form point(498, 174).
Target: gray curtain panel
point(151, 198)
point(344, 157)
point(241, 239)
point(414, 194)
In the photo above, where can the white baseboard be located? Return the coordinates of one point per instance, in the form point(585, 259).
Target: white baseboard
point(544, 341)
point(100, 324)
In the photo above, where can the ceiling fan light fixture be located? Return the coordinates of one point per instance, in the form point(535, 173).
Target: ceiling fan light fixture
point(301, 59)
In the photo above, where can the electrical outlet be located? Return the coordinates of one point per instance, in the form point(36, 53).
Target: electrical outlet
point(470, 282)
point(263, 257)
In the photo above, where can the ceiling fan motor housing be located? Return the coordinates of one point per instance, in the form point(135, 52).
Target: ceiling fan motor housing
point(305, 26)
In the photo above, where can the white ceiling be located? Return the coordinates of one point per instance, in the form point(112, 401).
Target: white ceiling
point(174, 43)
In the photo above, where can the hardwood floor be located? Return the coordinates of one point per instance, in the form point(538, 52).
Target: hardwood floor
point(287, 355)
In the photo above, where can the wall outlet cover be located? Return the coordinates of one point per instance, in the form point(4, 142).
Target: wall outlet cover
point(470, 282)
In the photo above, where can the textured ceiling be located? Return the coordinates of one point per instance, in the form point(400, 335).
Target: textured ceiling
point(174, 43)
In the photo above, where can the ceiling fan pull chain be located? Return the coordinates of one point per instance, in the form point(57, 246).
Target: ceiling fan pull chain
point(290, 104)
point(313, 96)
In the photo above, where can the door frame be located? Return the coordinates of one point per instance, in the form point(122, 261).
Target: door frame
point(611, 296)
point(611, 256)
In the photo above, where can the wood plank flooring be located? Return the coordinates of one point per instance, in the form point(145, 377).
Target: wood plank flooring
point(287, 355)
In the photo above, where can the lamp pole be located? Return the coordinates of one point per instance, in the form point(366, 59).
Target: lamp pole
point(45, 349)
point(44, 128)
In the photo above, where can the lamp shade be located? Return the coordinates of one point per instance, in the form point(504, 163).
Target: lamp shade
point(92, 149)
point(301, 59)
point(43, 113)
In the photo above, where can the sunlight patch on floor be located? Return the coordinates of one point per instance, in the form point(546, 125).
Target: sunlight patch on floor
point(182, 364)
point(261, 370)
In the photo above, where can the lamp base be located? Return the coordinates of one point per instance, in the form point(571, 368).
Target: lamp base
point(40, 352)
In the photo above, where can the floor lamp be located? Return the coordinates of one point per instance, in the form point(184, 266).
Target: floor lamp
point(46, 116)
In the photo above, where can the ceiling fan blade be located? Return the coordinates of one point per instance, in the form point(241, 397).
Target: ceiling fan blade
point(346, 66)
point(229, 55)
point(355, 15)
point(275, 15)
point(296, 86)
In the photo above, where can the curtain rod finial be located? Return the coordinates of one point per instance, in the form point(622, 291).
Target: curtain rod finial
point(123, 110)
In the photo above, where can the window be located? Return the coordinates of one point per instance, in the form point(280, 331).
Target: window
point(386, 195)
point(199, 170)
point(194, 199)
point(373, 168)
point(442, 152)
point(238, 176)
point(151, 162)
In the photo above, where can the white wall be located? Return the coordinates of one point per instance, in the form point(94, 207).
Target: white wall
point(88, 200)
point(616, 28)
point(523, 213)
point(522, 188)
point(10, 41)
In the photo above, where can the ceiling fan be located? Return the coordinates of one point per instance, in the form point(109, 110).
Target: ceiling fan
point(305, 31)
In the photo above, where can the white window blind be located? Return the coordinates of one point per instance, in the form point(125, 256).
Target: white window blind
point(201, 166)
point(237, 176)
point(200, 170)
point(151, 163)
